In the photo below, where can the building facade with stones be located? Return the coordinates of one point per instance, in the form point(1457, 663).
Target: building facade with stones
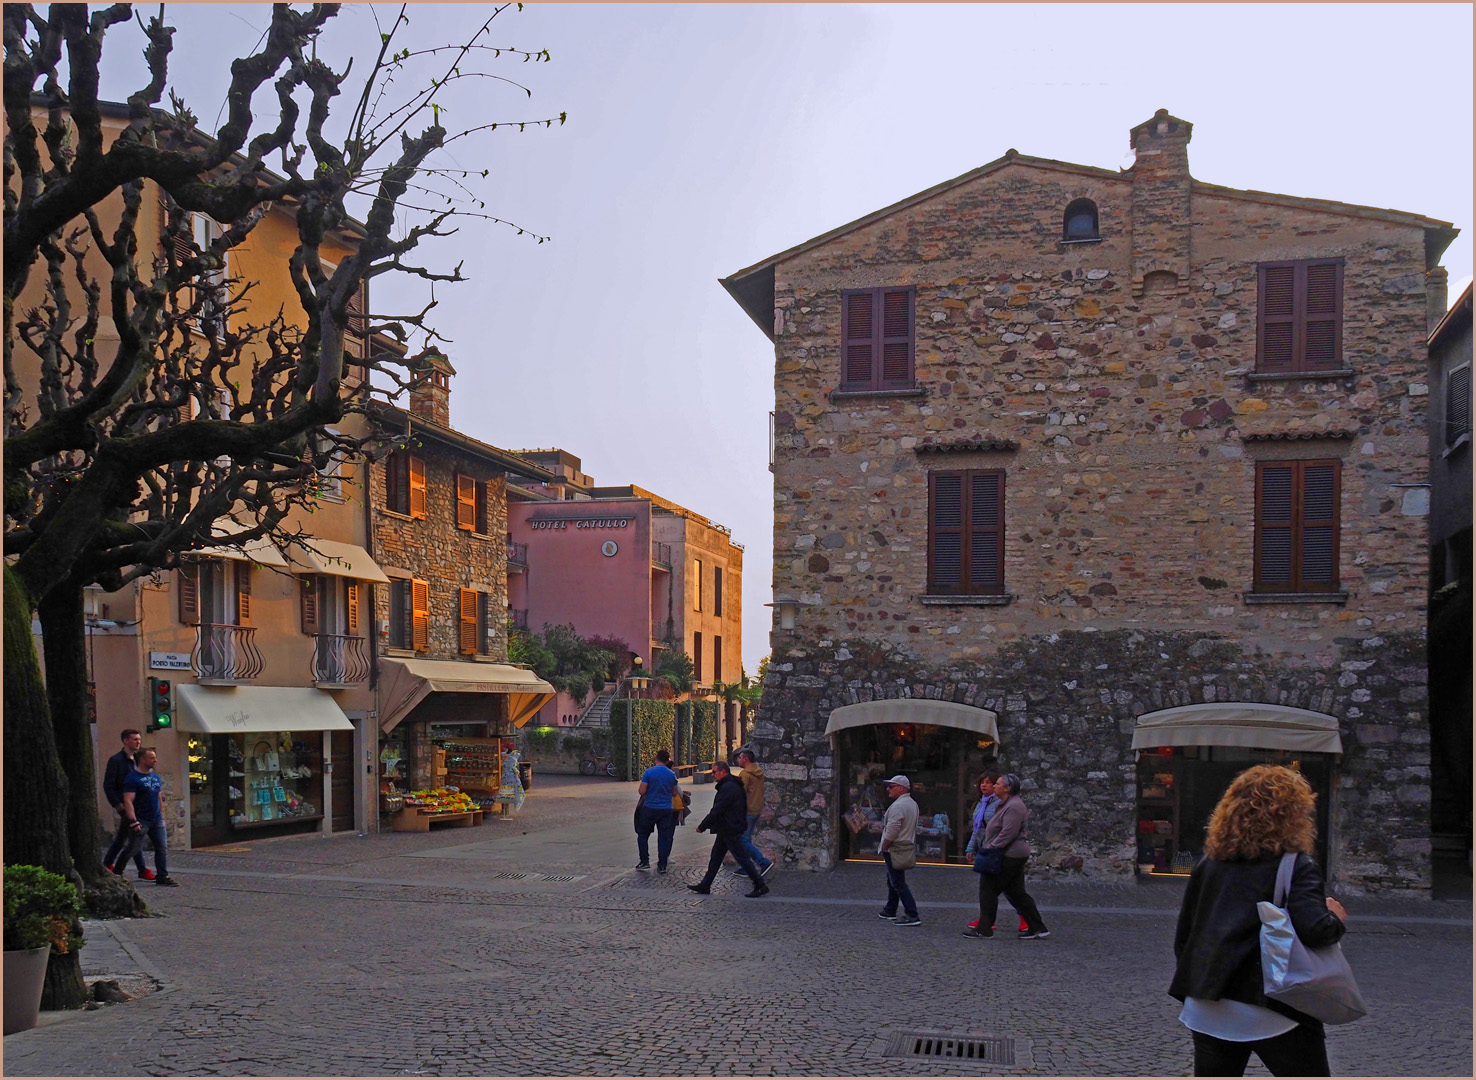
point(1113, 479)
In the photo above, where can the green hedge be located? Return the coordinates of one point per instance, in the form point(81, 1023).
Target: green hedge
point(704, 742)
point(653, 727)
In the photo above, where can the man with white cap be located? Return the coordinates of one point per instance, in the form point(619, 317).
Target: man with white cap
point(899, 842)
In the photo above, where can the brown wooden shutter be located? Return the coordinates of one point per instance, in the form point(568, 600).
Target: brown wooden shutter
point(697, 657)
point(858, 339)
point(1318, 511)
point(468, 605)
point(1457, 404)
point(351, 595)
point(419, 615)
point(484, 622)
point(1275, 518)
point(945, 532)
point(311, 622)
point(417, 486)
point(1276, 318)
point(896, 346)
point(189, 593)
point(466, 503)
point(1322, 309)
point(356, 325)
point(396, 483)
point(986, 532)
point(243, 593)
point(717, 590)
point(717, 659)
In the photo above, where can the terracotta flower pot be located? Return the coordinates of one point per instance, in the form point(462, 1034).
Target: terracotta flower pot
point(25, 978)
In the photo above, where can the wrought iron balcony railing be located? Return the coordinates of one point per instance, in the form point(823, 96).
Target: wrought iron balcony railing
point(340, 658)
point(517, 554)
point(225, 651)
point(661, 554)
point(519, 617)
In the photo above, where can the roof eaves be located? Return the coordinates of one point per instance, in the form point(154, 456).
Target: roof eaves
point(503, 459)
point(1401, 217)
point(1460, 312)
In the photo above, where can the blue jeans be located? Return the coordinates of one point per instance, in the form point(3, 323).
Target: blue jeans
point(154, 830)
point(746, 841)
point(897, 890)
point(664, 822)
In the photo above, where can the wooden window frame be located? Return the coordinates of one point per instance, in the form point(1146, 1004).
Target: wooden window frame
point(1295, 323)
point(717, 592)
point(402, 634)
point(876, 379)
point(468, 610)
point(466, 503)
point(966, 531)
point(1297, 523)
point(697, 587)
point(416, 468)
point(419, 615)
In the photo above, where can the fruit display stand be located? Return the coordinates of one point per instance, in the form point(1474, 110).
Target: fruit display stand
point(475, 766)
point(438, 806)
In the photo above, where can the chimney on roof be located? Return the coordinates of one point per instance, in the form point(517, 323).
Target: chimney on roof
point(1161, 205)
point(430, 396)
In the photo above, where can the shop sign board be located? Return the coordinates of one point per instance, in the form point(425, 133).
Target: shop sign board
point(169, 661)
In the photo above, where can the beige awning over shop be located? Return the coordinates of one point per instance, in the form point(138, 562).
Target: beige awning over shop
point(260, 551)
point(404, 684)
point(224, 710)
point(914, 711)
point(1239, 723)
point(332, 557)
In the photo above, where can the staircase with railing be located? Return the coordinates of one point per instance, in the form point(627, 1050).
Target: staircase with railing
point(597, 715)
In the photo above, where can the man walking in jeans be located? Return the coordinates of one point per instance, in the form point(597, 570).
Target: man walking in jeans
point(654, 812)
point(144, 814)
point(117, 770)
point(752, 775)
point(899, 827)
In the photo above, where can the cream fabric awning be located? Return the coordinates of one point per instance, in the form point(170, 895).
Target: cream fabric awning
point(1239, 723)
point(404, 684)
point(914, 711)
point(223, 710)
point(261, 551)
point(332, 557)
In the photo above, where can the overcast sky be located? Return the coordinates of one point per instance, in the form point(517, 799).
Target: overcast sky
point(704, 138)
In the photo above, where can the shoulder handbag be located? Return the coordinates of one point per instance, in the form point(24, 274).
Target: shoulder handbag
point(989, 861)
point(1317, 982)
point(904, 854)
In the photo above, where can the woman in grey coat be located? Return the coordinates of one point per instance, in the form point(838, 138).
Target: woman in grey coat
point(1005, 832)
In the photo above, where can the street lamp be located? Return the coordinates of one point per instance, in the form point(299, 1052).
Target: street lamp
point(638, 680)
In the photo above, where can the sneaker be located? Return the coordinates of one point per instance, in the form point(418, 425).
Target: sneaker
point(1024, 926)
point(661, 868)
point(166, 880)
point(974, 925)
point(762, 890)
point(703, 889)
point(114, 869)
point(1031, 935)
point(908, 920)
point(889, 917)
point(146, 875)
point(740, 872)
point(643, 866)
point(974, 931)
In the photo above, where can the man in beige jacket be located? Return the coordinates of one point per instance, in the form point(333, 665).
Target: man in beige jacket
point(899, 828)
point(752, 775)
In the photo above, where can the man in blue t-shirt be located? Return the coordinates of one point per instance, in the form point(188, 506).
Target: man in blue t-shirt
point(143, 813)
point(654, 811)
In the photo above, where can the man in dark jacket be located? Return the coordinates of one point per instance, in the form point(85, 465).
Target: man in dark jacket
point(118, 768)
point(727, 821)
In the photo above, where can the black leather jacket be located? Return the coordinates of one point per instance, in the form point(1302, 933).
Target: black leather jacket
point(118, 768)
point(1218, 941)
point(729, 813)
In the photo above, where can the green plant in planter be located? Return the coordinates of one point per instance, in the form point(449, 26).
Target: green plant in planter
point(40, 908)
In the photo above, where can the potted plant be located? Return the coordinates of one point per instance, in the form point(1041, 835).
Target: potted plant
point(40, 908)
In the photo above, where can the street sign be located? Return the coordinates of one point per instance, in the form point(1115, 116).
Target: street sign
point(169, 661)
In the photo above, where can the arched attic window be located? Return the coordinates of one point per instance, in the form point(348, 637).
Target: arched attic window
point(1080, 221)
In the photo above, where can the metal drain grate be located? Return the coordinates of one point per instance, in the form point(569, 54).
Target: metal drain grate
point(981, 1048)
point(562, 877)
point(510, 874)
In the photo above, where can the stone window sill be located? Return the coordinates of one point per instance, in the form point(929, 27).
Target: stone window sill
point(396, 651)
point(1296, 598)
point(848, 395)
point(387, 512)
point(1298, 376)
point(966, 600)
point(1081, 240)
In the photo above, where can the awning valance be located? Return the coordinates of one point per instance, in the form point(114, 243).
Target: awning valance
point(224, 710)
point(914, 711)
point(404, 684)
point(1239, 723)
point(261, 550)
point(332, 557)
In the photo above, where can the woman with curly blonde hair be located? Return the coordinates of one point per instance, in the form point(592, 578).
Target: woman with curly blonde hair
point(1266, 811)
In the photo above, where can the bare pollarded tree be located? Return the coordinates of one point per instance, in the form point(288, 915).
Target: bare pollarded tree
point(146, 396)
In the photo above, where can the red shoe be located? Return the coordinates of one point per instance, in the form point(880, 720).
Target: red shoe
point(146, 875)
point(114, 870)
point(1024, 925)
point(974, 925)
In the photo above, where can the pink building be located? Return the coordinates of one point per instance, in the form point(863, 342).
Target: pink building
point(623, 563)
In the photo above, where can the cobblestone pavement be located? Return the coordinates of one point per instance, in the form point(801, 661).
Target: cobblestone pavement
point(531, 947)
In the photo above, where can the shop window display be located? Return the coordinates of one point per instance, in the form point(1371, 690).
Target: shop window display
point(281, 778)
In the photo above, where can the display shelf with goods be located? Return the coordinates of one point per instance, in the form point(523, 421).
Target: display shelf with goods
point(478, 767)
point(434, 806)
point(1158, 817)
point(277, 781)
point(202, 786)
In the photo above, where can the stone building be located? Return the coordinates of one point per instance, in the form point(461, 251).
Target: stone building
point(1115, 479)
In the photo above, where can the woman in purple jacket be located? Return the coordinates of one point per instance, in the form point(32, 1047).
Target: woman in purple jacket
point(1266, 811)
point(1005, 832)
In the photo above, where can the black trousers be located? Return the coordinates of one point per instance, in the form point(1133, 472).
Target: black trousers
point(1010, 882)
point(121, 840)
point(1302, 1051)
point(722, 844)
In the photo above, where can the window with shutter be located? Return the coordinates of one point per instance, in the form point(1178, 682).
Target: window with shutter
point(1299, 316)
point(397, 483)
point(401, 632)
point(877, 339)
point(188, 576)
point(468, 621)
point(966, 532)
point(1457, 403)
point(351, 602)
point(243, 593)
point(717, 659)
point(697, 585)
point(416, 468)
point(1297, 526)
point(419, 615)
point(717, 590)
point(485, 629)
point(697, 657)
point(466, 503)
point(484, 521)
point(308, 591)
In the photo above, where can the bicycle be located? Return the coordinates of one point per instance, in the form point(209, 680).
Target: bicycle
point(592, 765)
